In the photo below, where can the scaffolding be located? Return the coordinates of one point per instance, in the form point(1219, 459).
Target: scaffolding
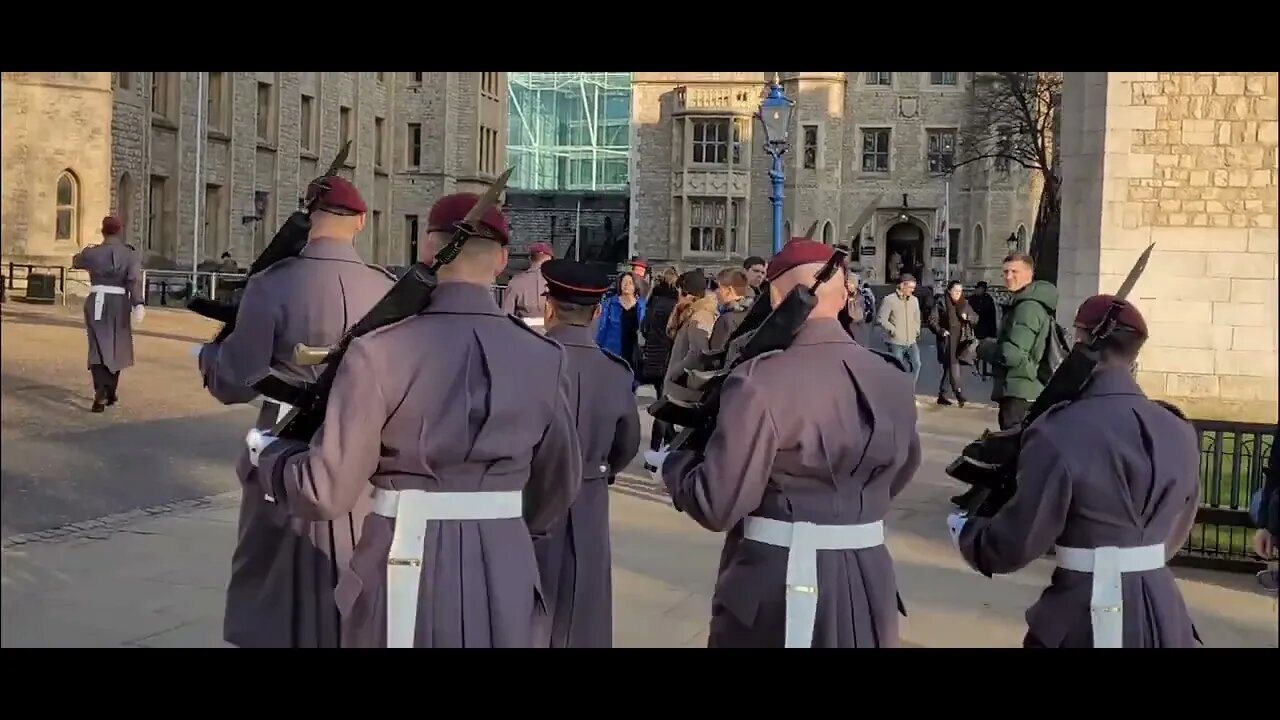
point(569, 131)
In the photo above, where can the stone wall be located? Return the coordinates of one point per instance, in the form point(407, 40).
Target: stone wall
point(836, 191)
point(448, 106)
point(1187, 161)
point(53, 122)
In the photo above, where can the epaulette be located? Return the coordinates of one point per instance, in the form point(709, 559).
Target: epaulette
point(892, 360)
point(525, 327)
point(390, 275)
point(616, 358)
point(1172, 408)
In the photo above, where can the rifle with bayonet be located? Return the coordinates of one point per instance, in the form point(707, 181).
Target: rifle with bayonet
point(287, 242)
point(990, 463)
point(408, 297)
point(696, 412)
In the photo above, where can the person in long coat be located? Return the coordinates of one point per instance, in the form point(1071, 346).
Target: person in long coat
point(284, 570)
point(952, 326)
point(574, 557)
point(1111, 483)
point(800, 474)
point(525, 292)
point(458, 420)
point(115, 302)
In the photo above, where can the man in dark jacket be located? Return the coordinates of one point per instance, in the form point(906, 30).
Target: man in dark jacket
point(1015, 354)
point(985, 308)
point(733, 292)
point(1267, 517)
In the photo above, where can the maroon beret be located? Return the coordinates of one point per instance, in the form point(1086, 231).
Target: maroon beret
point(452, 209)
point(796, 253)
point(111, 225)
point(338, 194)
point(541, 248)
point(1092, 311)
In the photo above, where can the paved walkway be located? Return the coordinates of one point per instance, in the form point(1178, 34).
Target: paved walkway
point(155, 578)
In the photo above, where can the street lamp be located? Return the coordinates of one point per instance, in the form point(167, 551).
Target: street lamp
point(775, 117)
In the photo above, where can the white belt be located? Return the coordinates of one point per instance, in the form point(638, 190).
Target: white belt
point(804, 540)
point(1107, 564)
point(533, 322)
point(412, 509)
point(100, 292)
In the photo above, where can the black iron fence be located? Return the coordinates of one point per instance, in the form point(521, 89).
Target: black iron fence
point(1232, 458)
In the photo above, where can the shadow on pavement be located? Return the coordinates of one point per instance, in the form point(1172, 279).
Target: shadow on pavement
point(28, 318)
point(52, 478)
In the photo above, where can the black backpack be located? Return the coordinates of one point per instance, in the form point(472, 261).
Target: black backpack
point(1056, 348)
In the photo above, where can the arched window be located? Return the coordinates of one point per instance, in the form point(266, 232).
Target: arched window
point(67, 226)
point(828, 233)
point(1022, 238)
point(978, 240)
point(786, 231)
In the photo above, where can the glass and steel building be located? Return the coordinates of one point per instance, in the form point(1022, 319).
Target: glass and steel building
point(569, 131)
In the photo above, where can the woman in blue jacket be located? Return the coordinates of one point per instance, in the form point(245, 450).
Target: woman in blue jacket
point(620, 316)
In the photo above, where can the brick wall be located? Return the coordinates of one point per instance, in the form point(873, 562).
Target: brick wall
point(1188, 161)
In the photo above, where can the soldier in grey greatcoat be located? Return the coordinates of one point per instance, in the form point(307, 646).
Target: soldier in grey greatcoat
point(1111, 482)
point(525, 292)
point(116, 296)
point(284, 569)
point(574, 557)
point(458, 420)
point(811, 444)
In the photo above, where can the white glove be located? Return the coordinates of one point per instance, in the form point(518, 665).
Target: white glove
point(257, 441)
point(139, 312)
point(656, 458)
point(955, 523)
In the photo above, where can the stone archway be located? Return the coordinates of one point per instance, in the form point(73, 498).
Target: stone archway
point(903, 242)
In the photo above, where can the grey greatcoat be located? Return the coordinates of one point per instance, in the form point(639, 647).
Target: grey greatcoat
point(832, 452)
point(283, 568)
point(111, 264)
point(574, 557)
point(1110, 469)
point(459, 399)
point(524, 295)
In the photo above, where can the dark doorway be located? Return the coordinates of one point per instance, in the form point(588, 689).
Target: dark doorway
point(903, 242)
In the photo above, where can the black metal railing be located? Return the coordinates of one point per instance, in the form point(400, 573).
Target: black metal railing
point(1232, 457)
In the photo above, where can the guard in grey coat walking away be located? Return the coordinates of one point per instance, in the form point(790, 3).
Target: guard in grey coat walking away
point(811, 445)
point(458, 420)
point(574, 557)
point(284, 569)
point(525, 294)
point(1111, 482)
point(116, 296)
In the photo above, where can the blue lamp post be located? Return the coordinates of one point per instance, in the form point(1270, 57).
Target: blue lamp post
point(775, 116)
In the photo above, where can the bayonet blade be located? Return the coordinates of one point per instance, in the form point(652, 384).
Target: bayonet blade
point(338, 160)
point(1132, 278)
point(487, 200)
point(808, 235)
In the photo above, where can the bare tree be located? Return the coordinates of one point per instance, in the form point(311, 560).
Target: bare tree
point(1014, 123)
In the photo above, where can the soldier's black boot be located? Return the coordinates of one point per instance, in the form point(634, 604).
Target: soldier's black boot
point(960, 400)
point(942, 400)
point(98, 404)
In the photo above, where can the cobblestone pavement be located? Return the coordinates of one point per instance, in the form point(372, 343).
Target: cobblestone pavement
point(137, 555)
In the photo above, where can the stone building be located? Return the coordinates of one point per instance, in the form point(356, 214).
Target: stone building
point(230, 170)
point(1187, 161)
point(700, 176)
point(56, 148)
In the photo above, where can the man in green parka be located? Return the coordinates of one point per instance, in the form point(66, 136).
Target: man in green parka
point(1016, 353)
